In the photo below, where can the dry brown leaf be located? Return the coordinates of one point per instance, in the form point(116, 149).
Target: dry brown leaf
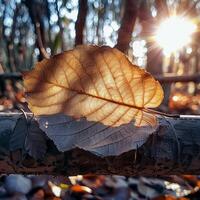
point(98, 83)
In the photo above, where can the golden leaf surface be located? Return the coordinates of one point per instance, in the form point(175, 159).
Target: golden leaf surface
point(98, 83)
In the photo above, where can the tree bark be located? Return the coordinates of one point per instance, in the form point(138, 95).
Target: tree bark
point(174, 148)
point(127, 25)
point(80, 22)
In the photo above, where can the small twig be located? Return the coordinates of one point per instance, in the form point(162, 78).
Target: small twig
point(41, 46)
point(11, 114)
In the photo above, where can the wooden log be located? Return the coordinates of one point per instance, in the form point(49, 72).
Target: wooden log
point(172, 78)
point(173, 149)
point(166, 78)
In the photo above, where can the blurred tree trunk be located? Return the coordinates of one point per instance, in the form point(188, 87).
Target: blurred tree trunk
point(36, 14)
point(80, 22)
point(154, 52)
point(127, 25)
point(101, 13)
point(154, 55)
point(154, 59)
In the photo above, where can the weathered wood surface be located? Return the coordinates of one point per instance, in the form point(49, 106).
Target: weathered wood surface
point(173, 149)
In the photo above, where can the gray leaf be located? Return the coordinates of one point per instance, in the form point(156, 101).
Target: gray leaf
point(68, 133)
point(29, 137)
point(35, 143)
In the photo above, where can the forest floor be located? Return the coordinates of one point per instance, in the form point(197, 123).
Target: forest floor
point(91, 187)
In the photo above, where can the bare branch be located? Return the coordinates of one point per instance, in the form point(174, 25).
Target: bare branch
point(80, 22)
point(39, 38)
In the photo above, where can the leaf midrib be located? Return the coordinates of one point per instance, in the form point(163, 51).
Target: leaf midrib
point(97, 97)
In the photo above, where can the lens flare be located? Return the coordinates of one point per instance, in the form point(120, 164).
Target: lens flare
point(174, 33)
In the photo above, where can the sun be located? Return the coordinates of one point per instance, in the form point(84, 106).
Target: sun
point(174, 33)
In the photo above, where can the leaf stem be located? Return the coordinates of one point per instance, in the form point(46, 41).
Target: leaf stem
point(160, 113)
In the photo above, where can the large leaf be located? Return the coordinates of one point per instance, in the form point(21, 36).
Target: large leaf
point(68, 133)
point(98, 83)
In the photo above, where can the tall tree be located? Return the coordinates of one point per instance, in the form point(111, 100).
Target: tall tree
point(127, 24)
point(80, 22)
